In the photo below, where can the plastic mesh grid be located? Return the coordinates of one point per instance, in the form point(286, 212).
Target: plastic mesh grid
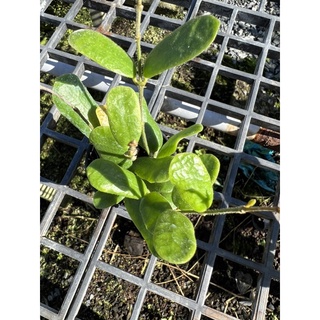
point(258, 45)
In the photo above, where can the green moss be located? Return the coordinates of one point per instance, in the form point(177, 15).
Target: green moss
point(248, 64)
point(58, 8)
point(84, 17)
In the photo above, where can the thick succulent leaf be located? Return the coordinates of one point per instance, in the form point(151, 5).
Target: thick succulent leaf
point(174, 237)
point(108, 177)
point(108, 148)
point(164, 188)
point(170, 146)
point(152, 169)
point(103, 51)
point(182, 45)
point(152, 206)
point(192, 181)
point(168, 234)
point(74, 102)
point(212, 164)
point(152, 130)
point(124, 115)
point(178, 200)
point(103, 200)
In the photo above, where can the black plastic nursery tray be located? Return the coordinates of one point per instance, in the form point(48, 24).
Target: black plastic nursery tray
point(94, 265)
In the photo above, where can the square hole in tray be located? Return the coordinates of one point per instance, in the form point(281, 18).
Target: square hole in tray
point(108, 297)
point(245, 236)
point(156, 307)
point(192, 77)
point(182, 279)
point(221, 125)
point(219, 11)
point(58, 8)
point(232, 288)
point(56, 274)
point(74, 224)
point(250, 27)
point(179, 105)
point(84, 17)
point(172, 114)
point(272, 7)
point(173, 11)
point(255, 182)
point(241, 56)
point(232, 90)
point(55, 158)
point(125, 248)
point(268, 101)
point(123, 27)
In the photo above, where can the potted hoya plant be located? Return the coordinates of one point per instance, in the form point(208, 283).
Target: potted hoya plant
point(158, 187)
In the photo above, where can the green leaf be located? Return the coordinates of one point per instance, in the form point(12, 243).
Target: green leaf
point(179, 201)
point(174, 237)
point(124, 115)
point(164, 188)
point(75, 103)
point(152, 130)
point(192, 181)
point(103, 51)
point(168, 234)
point(182, 45)
point(152, 169)
point(108, 148)
point(103, 200)
point(108, 177)
point(151, 207)
point(170, 146)
point(212, 164)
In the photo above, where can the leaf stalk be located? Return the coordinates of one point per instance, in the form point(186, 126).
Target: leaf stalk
point(139, 79)
point(234, 210)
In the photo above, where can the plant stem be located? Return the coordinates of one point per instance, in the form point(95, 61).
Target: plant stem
point(139, 79)
point(139, 8)
point(232, 210)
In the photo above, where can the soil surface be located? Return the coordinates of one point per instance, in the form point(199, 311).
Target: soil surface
point(231, 289)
